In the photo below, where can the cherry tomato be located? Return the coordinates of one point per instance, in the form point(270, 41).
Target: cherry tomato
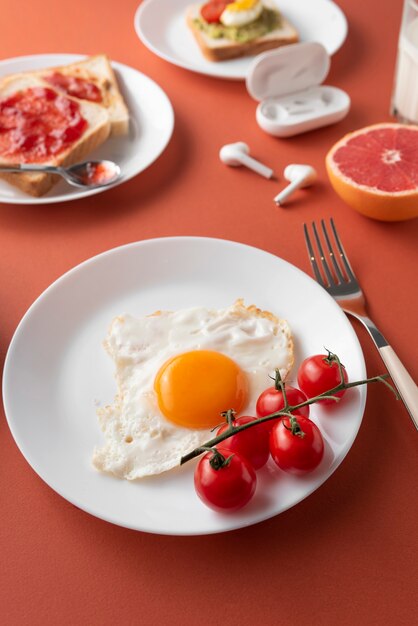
point(252, 444)
point(212, 11)
point(300, 452)
point(320, 373)
point(222, 483)
point(271, 401)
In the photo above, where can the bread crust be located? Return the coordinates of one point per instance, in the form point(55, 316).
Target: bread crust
point(99, 70)
point(224, 50)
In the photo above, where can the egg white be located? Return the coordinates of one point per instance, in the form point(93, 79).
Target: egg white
point(234, 15)
point(139, 440)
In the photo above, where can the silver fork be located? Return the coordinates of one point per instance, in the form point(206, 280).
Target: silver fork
point(341, 283)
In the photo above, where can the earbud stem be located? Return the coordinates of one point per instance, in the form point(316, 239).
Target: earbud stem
point(257, 167)
point(287, 191)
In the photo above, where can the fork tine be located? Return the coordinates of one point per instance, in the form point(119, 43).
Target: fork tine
point(343, 256)
point(332, 253)
point(312, 258)
point(325, 265)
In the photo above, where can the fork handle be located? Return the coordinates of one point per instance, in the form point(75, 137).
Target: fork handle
point(403, 381)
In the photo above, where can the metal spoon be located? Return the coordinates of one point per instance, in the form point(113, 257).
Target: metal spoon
point(87, 174)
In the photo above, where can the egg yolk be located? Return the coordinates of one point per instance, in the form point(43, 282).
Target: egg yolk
point(242, 5)
point(194, 388)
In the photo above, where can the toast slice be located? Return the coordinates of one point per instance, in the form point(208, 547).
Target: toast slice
point(98, 71)
point(222, 48)
point(96, 132)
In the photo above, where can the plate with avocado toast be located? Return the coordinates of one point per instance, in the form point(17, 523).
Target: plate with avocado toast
point(221, 39)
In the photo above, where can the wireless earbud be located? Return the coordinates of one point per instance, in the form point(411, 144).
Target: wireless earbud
point(236, 154)
point(299, 176)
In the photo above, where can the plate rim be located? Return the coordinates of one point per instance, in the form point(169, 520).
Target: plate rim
point(239, 76)
point(113, 519)
point(120, 67)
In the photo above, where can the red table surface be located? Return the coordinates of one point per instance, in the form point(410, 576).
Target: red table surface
point(348, 553)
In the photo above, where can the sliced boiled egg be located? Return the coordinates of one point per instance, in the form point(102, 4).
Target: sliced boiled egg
point(241, 12)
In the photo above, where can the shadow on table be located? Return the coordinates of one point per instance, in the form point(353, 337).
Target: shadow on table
point(133, 195)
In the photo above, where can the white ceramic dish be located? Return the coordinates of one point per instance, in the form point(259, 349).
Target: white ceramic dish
point(56, 372)
point(151, 126)
point(161, 26)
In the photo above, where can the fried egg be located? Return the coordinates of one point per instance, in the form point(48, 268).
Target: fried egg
point(241, 12)
point(175, 373)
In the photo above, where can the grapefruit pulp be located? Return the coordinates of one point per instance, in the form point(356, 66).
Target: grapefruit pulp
point(375, 170)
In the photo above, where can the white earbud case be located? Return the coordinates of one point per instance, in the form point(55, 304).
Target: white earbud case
point(287, 84)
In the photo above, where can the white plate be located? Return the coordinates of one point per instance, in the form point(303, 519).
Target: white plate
point(161, 26)
point(56, 372)
point(151, 126)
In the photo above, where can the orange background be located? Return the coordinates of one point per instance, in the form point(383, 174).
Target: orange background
point(347, 554)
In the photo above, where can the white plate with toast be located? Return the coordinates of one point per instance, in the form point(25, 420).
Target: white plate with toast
point(134, 143)
point(57, 374)
point(162, 27)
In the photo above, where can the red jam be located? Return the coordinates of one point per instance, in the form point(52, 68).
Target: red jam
point(98, 174)
point(74, 86)
point(37, 124)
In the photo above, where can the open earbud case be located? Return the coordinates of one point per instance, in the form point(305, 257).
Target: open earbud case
point(287, 84)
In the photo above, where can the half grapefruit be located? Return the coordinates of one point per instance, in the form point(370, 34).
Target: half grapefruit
point(375, 170)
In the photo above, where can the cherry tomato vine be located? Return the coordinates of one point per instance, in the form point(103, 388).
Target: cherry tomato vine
point(288, 411)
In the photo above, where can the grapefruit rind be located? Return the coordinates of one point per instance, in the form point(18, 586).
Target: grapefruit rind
point(369, 201)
